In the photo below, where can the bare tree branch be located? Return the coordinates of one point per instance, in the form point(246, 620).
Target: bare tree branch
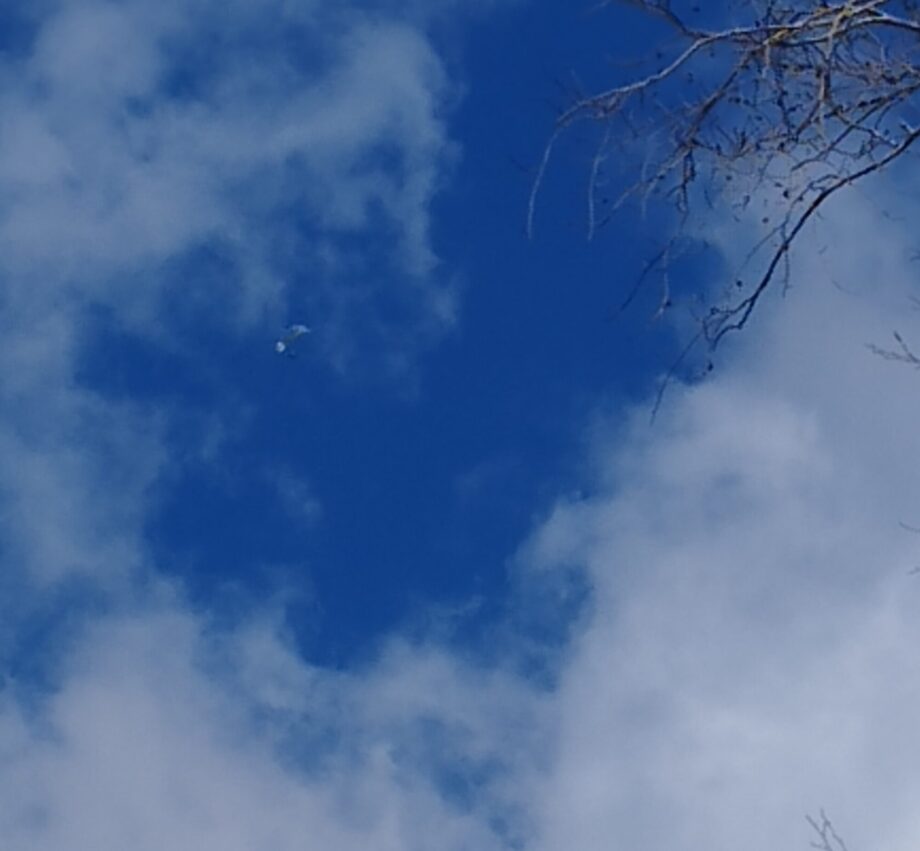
point(801, 100)
point(827, 838)
point(903, 353)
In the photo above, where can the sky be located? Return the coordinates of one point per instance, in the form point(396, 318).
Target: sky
point(435, 581)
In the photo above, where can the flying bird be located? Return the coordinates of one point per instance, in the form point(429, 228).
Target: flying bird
point(291, 335)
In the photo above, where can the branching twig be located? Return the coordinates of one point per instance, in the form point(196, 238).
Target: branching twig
point(827, 838)
point(804, 99)
point(903, 353)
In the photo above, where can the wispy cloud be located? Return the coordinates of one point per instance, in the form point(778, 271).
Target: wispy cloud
point(148, 743)
point(135, 137)
point(279, 138)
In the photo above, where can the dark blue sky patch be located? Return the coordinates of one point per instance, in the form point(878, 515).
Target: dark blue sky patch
point(19, 23)
point(425, 481)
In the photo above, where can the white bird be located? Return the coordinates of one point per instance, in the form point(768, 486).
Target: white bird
point(291, 335)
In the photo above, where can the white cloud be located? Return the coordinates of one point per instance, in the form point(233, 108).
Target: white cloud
point(747, 655)
point(148, 730)
point(133, 135)
point(147, 745)
point(75, 468)
point(750, 653)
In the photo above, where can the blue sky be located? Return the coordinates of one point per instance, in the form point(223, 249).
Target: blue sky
point(472, 438)
point(435, 581)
